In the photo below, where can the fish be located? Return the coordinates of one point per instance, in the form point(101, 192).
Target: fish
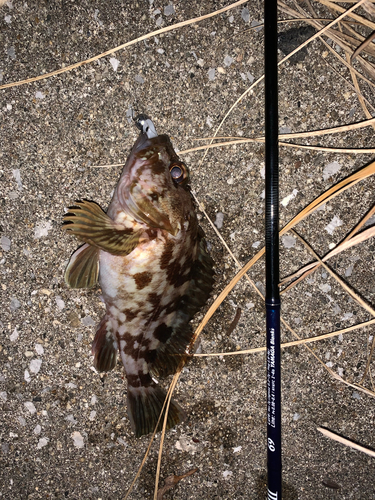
point(150, 257)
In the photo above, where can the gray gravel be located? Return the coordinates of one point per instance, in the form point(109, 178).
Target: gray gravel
point(64, 431)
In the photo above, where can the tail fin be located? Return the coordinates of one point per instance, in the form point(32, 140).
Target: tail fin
point(144, 407)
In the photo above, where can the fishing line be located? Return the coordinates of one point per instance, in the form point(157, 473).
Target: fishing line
point(272, 301)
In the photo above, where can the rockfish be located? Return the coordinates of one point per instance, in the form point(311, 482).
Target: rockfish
point(149, 255)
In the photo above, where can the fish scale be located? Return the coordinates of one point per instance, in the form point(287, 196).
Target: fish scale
point(149, 255)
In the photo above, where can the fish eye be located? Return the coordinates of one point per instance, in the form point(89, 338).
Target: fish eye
point(178, 172)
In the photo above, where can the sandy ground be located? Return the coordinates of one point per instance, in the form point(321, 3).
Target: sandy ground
point(65, 431)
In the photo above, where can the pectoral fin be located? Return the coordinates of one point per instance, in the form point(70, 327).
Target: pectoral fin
point(89, 223)
point(83, 268)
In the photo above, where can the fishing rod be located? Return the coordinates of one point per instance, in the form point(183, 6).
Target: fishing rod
point(272, 253)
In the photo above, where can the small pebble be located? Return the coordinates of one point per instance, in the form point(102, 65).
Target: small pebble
point(14, 335)
point(59, 302)
point(5, 243)
point(211, 74)
point(39, 349)
point(42, 443)
point(227, 474)
point(114, 63)
point(77, 439)
point(41, 229)
point(245, 14)
point(228, 60)
point(30, 406)
point(219, 220)
point(347, 316)
point(289, 198)
point(335, 223)
point(288, 241)
point(35, 365)
point(169, 10)
point(88, 321)
point(14, 304)
point(331, 169)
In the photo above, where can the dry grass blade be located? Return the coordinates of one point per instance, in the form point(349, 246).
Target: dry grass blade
point(332, 192)
point(286, 144)
point(333, 130)
point(369, 361)
point(329, 370)
point(369, 8)
point(337, 278)
point(166, 402)
point(316, 35)
point(349, 66)
point(357, 387)
point(293, 343)
point(172, 481)
point(336, 37)
point(328, 195)
point(125, 45)
point(295, 135)
point(351, 292)
point(108, 166)
point(342, 186)
point(356, 17)
point(352, 1)
point(364, 44)
point(344, 245)
point(222, 296)
point(330, 150)
point(367, 67)
point(356, 85)
point(346, 442)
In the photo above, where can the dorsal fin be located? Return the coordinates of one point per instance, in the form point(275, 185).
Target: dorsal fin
point(178, 335)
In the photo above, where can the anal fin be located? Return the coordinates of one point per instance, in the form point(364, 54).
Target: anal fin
point(144, 407)
point(83, 268)
point(104, 347)
point(170, 354)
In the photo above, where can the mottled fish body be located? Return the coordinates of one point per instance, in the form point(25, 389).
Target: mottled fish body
point(149, 255)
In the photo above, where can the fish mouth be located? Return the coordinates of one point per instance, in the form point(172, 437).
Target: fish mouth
point(153, 156)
